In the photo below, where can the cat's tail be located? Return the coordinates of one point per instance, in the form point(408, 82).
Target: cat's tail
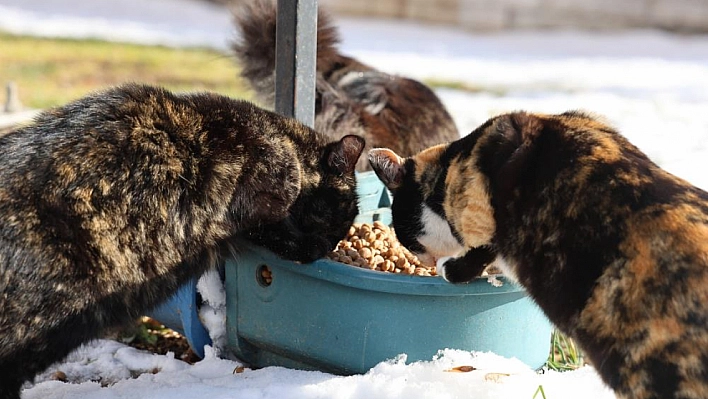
point(254, 46)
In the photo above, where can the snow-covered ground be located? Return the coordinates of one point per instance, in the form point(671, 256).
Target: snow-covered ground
point(653, 86)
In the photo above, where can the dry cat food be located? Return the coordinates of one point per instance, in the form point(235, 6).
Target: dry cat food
point(375, 247)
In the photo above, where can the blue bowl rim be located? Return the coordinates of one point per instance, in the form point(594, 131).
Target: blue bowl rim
point(372, 280)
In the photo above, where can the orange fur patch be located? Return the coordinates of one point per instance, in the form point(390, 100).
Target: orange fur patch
point(471, 213)
point(427, 158)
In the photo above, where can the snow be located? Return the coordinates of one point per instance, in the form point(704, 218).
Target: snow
point(212, 312)
point(653, 86)
point(108, 362)
point(165, 22)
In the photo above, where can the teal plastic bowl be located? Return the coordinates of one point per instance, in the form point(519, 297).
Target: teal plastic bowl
point(342, 319)
point(338, 318)
point(374, 199)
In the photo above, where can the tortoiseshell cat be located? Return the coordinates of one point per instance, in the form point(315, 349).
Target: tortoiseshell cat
point(613, 248)
point(387, 110)
point(110, 203)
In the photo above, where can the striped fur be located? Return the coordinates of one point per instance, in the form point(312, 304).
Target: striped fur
point(612, 248)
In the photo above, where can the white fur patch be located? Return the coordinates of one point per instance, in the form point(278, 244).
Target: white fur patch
point(373, 103)
point(507, 269)
point(437, 238)
point(440, 266)
point(350, 78)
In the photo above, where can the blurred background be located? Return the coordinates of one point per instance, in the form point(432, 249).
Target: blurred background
point(643, 64)
point(483, 15)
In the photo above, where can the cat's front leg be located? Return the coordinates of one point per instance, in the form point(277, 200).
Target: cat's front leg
point(466, 267)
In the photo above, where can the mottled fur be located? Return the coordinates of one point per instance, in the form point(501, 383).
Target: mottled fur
point(110, 203)
point(613, 248)
point(351, 97)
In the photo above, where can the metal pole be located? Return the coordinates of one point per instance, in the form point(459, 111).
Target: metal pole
point(295, 56)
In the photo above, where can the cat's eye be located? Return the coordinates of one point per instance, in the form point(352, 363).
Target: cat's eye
point(264, 276)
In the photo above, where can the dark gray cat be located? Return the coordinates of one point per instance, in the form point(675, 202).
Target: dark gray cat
point(110, 203)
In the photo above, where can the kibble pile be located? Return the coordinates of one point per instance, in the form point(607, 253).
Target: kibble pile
point(375, 247)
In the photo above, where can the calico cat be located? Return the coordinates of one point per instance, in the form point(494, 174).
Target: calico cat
point(351, 97)
point(612, 248)
point(110, 203)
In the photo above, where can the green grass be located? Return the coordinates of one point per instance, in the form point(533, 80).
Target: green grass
point(464, 86)
point(539, 390)
point(564, 355)
point(51, 72)
point(143, 331)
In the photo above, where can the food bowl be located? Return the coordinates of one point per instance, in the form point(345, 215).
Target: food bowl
point(181, 313)
point(343, 319)
point(374, 200)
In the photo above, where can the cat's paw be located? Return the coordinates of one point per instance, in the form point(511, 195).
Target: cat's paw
point(454, 270)
point(466, 267)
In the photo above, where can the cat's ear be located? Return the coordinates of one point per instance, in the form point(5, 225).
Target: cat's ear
point(519, 128)
point(345, 154)
point(519, 131)
point(388, 167)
